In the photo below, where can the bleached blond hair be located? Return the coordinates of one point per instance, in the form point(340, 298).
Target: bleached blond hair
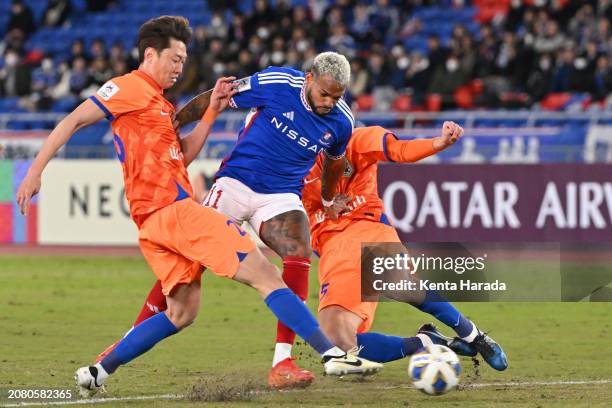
point(335, 65)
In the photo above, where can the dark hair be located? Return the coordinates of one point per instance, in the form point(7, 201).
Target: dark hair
point(157, 32)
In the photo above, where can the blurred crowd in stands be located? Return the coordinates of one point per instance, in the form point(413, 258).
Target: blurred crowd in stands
point(404, 55)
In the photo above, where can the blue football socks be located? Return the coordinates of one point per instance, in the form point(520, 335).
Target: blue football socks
point(382, 348)
point(138, 341)
point(290, 310)
point(437, 306)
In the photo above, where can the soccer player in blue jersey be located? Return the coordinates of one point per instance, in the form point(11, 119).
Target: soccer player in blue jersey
point(293, 117)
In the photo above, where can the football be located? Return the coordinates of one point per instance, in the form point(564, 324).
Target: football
point(435, 370)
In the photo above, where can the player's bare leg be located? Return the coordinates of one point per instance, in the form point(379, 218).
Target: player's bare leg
point(256, 271)
point(183, 306)
point(154, 303)
point(341, 326)
point(288, 235)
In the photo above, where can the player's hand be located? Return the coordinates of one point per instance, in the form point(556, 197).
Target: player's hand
point(222, 92)
point(340, 205)
point(30, 186)
point(451, 132)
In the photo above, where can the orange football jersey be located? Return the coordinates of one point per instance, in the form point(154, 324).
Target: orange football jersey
point(366, 147)
point(150, 154)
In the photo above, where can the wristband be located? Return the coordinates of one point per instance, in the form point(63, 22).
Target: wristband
point(327, 203)
point(209, 116)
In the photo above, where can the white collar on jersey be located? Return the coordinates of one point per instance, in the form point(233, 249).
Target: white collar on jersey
point(303, 97)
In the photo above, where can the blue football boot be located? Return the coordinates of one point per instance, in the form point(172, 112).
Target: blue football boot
point(490, 351)
point(459, 346)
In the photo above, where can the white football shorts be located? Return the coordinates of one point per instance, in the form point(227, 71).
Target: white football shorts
point(239, 203)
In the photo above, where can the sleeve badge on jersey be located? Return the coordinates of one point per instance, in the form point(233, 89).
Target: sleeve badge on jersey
point(107, 90)
point(326, 139)
point(243, 84)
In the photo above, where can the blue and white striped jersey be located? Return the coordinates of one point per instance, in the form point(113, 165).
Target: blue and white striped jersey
point(282, 136)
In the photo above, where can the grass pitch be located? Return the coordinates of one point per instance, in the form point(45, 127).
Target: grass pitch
point(58, 313)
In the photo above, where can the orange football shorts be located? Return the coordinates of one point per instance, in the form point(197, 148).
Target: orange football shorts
point(179, 240)
point(340, 268)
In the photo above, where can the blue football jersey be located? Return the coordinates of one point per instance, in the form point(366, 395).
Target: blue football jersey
point(282, 136)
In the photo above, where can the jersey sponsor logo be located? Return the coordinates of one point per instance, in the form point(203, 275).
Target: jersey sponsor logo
point(294, 135)
point(107, 90)
point(289, 115)
point(175, 153)
point(243, 84)
point(164, 113)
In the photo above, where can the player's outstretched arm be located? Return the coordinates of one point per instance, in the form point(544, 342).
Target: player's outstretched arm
point(330, 176)
point(193, 111)
point(410, 151)
point(85, 114)
point(218, 101)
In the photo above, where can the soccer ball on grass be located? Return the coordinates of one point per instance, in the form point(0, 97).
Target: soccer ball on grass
point(434, 370)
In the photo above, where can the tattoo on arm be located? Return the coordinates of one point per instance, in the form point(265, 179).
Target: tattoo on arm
point(194, 110)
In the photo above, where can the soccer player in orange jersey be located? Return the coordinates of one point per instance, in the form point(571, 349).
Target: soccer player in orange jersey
point(342, 314)
point(177, 236)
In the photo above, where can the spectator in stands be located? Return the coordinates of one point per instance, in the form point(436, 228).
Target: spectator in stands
point(44, 80)
point(582, 20)
point(437, 53)
point(21, 18)
point(299, 40)
point(275, 56)
point(116, 52)
point(100, 72)
point(418, 77)
point(261, 20)
point(487, 51)
point(551, 39)
point(246, 64)
point(446, 79)
point(341, 42)
point(237, 37)
point(398, 62)
point(77, 50)
point(539, 80)
point(79, 76)
point(378, 72)
point(213, 63)
point(361, 28)
point(514, 18)
point(97, 49)
point(119, 67)
point(602, 82)
point(506, 59)
point(14, 76)
point(294, 60)
point(563, 69)
point(56, 13)
point(385, 19)
point(359, 78)
point(581, 75)
point(217, 27)
point(15, 40)
point(301, 19)
point(525, 52)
